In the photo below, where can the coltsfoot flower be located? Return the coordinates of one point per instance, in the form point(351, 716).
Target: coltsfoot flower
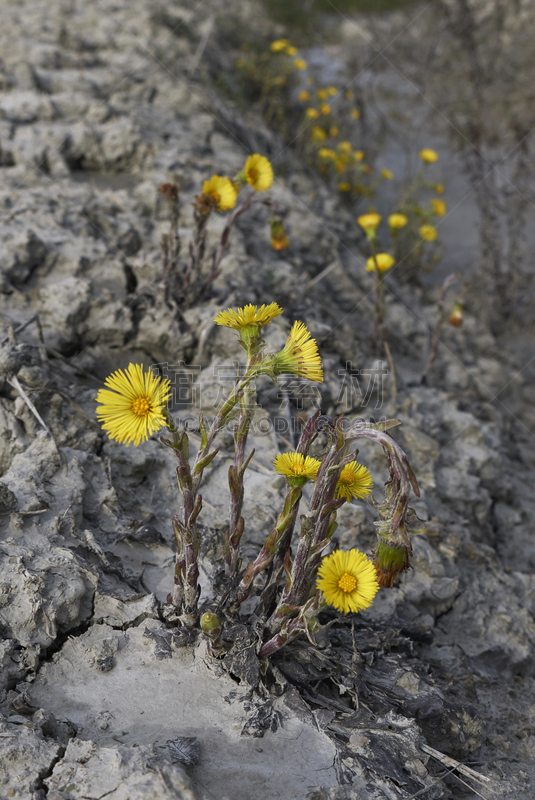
point(317, 134)
point(428, 156)
point(384, 262)
point(300, 63)
point(258, 172)
point(397, 221)
point(291, 50)
point(347, 580)
point(355, 481)
point(248, 315)
point(355, 113)
point(428, 232)
point(132, 405)
point(439, 206)
point(386, 174)
point(312, 113)
point(370, 223)
point(325, 108)
point(222, 190)
point(303, 96)
point(358, 155)
point(344, 147)
point(327, 152)
point(299, 355)
point(278, 45)
point(295, 465)
point(457, 315)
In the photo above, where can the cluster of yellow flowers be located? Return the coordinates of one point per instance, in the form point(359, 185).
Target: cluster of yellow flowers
point(133, 407)
point(284, 46)
point(223, 192)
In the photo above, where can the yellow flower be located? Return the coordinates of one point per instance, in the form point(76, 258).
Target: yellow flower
point(278, 45)
point(386, 174)
point(131, 409)
point(326, 152)
point(358, 155)
point(295, 465)
point(312, 113)
point(439, 188)
point(258, 172)
point(322, 94)
point(355, 113)
point(240, 63)
point(222, 190)
point(384, 261)
point(332, 90)
point(347, 580)
point(334, 131)
point(300, 63)
point(325, 108)
point(291, 50)
point(428, 156)
point(344, 187)
point(317, 134)
point(397, 220)
point(340, 164)
point(354, 481)
point(439, 207)
point(248, 315)
point(345, 147)
point(299, 355)
point(428, 232)
point(303, 96)
point(370, 223)
point(349, 94)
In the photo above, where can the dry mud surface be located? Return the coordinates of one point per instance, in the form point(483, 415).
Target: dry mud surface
point(100, 695)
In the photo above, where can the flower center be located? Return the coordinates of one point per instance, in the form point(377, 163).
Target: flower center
point(346, 476)
point(347, 582)
point(140, 406)
point(254, 174)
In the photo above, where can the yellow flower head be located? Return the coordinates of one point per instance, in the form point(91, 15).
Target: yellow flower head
point(322, 94)
point(312, 113)
point(386, 174)
point(222, 191)
point(344, 187)
point(131, 409)
point(384, 262)
point(370, 223)
point(334, 131)
point(279, 44)
point(248, 315)
point(317, 134)
point(299, 355)
point(349, 94)
point(354, 481)
point(325, 108)
point(347, 580)
point(439, 206)
point(300, 63)
point(295, 465)
point(258, 172)
point(332, 90)
point(355, 113)
point(291, 50)
point(428, 156)
point(344, 147)
point(358, 155)
point(303, 96)
point(341, 164)
point(397, 220)
point(428, 232)
point(326, 152)
point(439, 188)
